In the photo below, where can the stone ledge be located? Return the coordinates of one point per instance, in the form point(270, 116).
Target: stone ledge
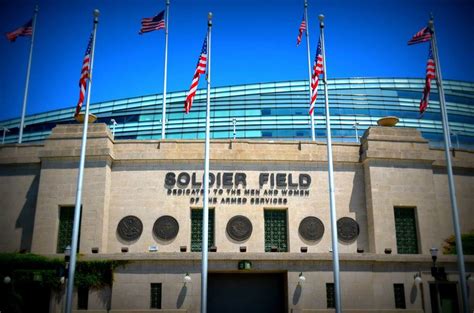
point(19, 153)
point(357, 311)
point(141, 311)
point(398, 134)
point(69, 131)
point(276, 256)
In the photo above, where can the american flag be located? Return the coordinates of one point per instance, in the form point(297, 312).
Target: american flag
point(85, 74)
point(317, 70)
point(200, 69)
point(430, 74)
point(25, 30)
point(153, 23)
point(421, 36)
point(300, 31)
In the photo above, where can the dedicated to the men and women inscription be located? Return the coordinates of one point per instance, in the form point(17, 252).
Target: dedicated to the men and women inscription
point(232, 187)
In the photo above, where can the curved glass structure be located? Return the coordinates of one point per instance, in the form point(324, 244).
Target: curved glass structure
point(277, 110)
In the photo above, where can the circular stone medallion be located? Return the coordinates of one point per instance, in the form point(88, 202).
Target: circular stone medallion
point(130, 228)
point(347, 229)
point(166, 227)
point(239, 228)
point(311, 228)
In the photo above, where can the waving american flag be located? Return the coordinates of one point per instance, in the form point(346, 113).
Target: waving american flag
point(25, 30)
point(423, 35)
point(156, 22)
point(200, 69)
point(430, 74)
point(300, 31)
point(317, 70)
point(85, 74)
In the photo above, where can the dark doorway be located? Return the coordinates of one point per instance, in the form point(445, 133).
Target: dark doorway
point(247, 293)
point(35, 298)
point(444, 297)
point(24, 298)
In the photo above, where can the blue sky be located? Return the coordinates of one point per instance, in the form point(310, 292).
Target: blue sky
point(253, 41)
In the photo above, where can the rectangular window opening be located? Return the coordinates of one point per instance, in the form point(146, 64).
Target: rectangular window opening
point(66, 221)
point(82, 298)
point(406, 230)
point(330, 298)
point(155, 296)
point(275, 231)
point(399, 293)
point(196, 230)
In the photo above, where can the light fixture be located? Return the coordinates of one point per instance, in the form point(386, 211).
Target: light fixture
point(187, 278)
point(438, 272)
point(470, 278)
point(434, 254)
point(301, 278)
point(7, 280)
point(67, 253)
point(417, 278)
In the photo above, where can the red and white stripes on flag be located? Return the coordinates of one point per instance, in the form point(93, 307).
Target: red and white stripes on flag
point(156, 22)
point(300, 31)
point(200, 69)
point(423, 35)
point(430, 74)
point(317, 70)
point(25, 30)
point(85, 74)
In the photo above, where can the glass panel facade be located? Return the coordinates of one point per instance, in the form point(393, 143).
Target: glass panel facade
point(405, 227)
point(196, 230)
point(275, 231)
point(274, 110)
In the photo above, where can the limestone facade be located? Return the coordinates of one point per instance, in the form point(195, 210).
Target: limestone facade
point(392, 167)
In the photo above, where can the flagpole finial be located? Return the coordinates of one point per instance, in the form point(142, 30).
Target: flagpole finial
point(96, 15)
point(167, 2)
point(36, 8)
point(305, 3)
point(209, 19)
point(321, 20)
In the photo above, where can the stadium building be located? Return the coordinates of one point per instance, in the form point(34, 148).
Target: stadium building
point(269, 236)
point(276, 111)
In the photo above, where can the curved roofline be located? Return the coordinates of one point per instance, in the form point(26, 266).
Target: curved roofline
point(229, 86)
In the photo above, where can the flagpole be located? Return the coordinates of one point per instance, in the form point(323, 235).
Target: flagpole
point(25, 97)
point(452, 189)
point(332, 200)
point(205, 217)
point(313, 137)
point(77, 209)
point(163, 124)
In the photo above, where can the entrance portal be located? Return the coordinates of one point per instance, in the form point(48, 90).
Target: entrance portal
point(444, 297)
point(247, 293)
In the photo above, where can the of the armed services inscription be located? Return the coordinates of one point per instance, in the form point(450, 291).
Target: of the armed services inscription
point(233, 187)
